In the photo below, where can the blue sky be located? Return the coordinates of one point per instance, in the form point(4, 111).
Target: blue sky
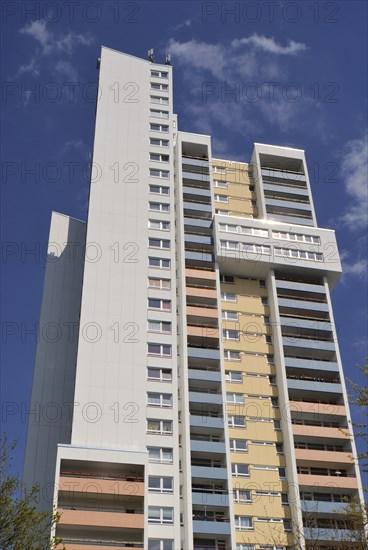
point(297, 70)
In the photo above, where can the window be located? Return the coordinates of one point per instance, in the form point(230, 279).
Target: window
point(282, 473)
point(262, 283)
point(230, 245)
point(235, 398)
point(228, 297)
point(159, 128)
point(162, 515)
point(238, 445)
point(264, 300)
point(159, 114)
point(158, 484)
point(161, 350)
point(270, 359)
point(162, 284)
point(159, 207)
point(303, 254)
point(160, 544)
point(274, 402)
point(268, 339)
point(154, 172)
point(158, 157)
point(157, 86)
point(243, 523)
point(159, 399)
point(159, 99)
point(219, 170)
point(159, 243)
point(231, 335)
point(230, 315)
point(220, 183)
point(285, 499)
point(159, 190)
point(159, 142)
point(233, 376)
point(236, 421)
point(159, 326)
point(245, 547)
point(161, 263)
point(163, 305)
point(157, 224)
point(277, 425)
point(242, 495)
point(296, 237)
point(287, 525)
point(228, 279)
point(160, 454)
point(163, 427)
point(240, 470)
point(159, 74)
point(159, 374)
point(256, 248)
point(231, 355)
point(221, 198)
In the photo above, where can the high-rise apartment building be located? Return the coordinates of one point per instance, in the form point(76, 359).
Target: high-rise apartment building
point(188, 376)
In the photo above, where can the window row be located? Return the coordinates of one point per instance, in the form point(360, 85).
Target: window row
point(159, 399)
point(159, 128)
point(159, 207)
point(229, 228)
point(232, 355)
point(302, 254)
point(159, 157)
point(240, 421)
point(163, 244)
point(157, 113)
point(296, 237)
point(159, 190)
point(159, 142)
point(159, 350)
point(247, 247)
point(154, 172)
point(159, 99)
point(228, 334)
point(232, 297)
point(159, 224)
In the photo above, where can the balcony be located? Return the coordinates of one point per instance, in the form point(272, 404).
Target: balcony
point(201, 240)
point(198, 223)
point(195, 177)
point(197, 192)
point(200, 276)
point(202, 163)
point(310, 364)
point(207, 398)
point(302, 287)
point(93, 544)
point(317, 409)
point(199, 257)
point(205, 375)
point(320, 431)
point(210, 498)
point(308, 343)
point(322, 534)
point(331, 457)
point(203, 446)
point(202, 315)
point(287, 189)
point(303, 304)
point(79, 483)
point(284, 175)
point(292, 205)
point(198, 207)
point(297, 325)
point(211, 527)
point(201, 353)
point(319, 387)
point(326, 482)
point(92, 518)
point(322, 507)
point(208, 472)
point(288, 218)
point(210, 422)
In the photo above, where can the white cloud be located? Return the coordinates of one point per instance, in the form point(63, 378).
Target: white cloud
point(31, 67)
point(77, 144)
point(65, 68)
point(270, 45)
point(186, 23)
point(354, 170)
point(353, 268)
point(50, 44)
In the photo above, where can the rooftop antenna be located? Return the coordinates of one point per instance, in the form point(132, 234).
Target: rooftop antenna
point(168, 59)
point(151, 56)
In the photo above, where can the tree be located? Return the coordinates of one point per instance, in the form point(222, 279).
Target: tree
point(22, 525)
point(359, 397)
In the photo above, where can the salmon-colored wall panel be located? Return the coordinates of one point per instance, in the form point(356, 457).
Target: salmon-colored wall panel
point(103, 519)
point(101, 486)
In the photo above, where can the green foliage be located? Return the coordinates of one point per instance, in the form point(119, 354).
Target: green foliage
point(23, 525)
